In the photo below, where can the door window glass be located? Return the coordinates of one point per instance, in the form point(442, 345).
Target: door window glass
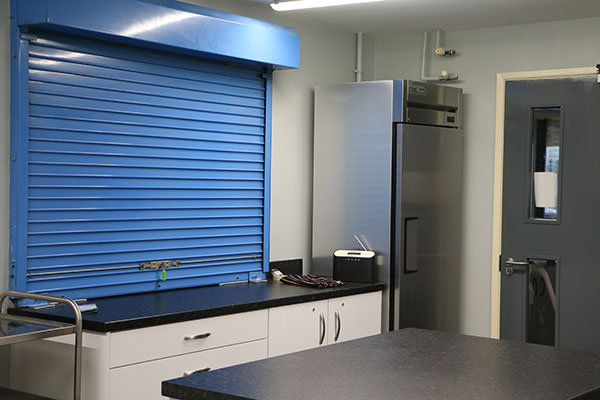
point(541, 315)
point(545, 163)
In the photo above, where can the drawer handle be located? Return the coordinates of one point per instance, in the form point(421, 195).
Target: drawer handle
point(338, 326)
point(197, 371)
point(196, 337)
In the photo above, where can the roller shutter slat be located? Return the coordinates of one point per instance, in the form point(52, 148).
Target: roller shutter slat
point(137, 156)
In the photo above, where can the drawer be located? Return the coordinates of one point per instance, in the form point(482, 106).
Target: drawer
point(161, 341)
point(143, 381)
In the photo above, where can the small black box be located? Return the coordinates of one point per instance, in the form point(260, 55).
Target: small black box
point(354, 266)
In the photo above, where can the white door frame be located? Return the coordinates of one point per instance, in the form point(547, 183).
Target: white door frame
point(501, 79)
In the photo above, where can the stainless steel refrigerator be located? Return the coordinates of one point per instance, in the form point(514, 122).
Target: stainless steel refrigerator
point(388, 168)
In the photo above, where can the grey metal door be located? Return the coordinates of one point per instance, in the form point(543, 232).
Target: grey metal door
point(550, 286)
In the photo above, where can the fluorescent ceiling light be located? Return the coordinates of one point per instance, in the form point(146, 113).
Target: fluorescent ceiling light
point(302, 4)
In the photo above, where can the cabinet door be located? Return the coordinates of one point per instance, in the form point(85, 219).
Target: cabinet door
point(143, 381)
point(353, 317)
point(297, 327)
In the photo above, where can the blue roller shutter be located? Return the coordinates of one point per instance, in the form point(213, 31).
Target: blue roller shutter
point(137, 156)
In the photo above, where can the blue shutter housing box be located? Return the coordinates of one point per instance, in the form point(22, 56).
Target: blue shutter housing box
point(169, 25)
point(140, 145)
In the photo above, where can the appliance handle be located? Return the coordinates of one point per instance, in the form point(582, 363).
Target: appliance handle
point(411, 244)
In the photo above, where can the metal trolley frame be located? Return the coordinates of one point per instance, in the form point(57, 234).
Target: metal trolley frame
point(18, 329)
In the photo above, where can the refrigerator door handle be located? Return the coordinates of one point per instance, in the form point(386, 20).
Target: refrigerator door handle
point(411, 244)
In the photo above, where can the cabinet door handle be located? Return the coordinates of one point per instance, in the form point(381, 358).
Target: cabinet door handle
point(196, 337)
point(338, 326)
point(321, 329)
point(197, 371)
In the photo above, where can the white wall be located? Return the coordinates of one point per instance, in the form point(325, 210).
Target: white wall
point(483, 53)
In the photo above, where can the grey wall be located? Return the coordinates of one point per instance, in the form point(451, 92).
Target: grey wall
point(326, 56)
point(483, 53)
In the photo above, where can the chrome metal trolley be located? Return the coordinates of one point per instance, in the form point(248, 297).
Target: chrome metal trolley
point(18, 329)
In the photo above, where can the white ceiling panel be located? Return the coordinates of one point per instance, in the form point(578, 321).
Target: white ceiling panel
point(416, 15)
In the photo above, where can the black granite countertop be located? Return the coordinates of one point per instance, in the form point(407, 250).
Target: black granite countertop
point(405, 364)
point(134, 311)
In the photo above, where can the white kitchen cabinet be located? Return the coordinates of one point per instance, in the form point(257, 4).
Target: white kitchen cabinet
point(353, 317)
point(132, 364)
point(308, 325)
point(297, 327)
point(126, 364)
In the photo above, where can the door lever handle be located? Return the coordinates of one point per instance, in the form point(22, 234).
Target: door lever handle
point(512, 266)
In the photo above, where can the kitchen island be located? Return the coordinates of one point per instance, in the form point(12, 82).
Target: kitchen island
point(406, 364)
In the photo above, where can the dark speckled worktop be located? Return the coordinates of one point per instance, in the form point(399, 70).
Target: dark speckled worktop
point(150, 309)
point(405, 364)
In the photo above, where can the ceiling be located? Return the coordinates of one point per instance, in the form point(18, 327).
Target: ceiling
point(416, 15)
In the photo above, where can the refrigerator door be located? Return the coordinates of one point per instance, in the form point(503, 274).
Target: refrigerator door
point(352, 188)
point(428, 201)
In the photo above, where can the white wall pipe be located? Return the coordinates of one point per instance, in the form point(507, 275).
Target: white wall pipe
point(423, 76)
point(359, 49)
